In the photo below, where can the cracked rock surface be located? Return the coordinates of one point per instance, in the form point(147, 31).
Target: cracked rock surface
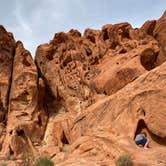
point(85, 96)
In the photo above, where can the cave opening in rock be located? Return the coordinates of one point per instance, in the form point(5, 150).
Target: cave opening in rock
point(64, 139)
point(140, 126)
point(40, 121)
point(105, 35)
point(11, 132)
point(92, 38)
point(20, 133)
point(154, 139)
point(148, 59)
point(122, 51)
point(26, 62)
point(11, 152)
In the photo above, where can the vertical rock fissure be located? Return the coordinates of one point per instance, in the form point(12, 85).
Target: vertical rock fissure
point(45, 108)
point(10, 84)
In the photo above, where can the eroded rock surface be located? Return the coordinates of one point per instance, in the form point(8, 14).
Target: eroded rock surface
point(7, 49)
point(26, 118)
point(86, 96)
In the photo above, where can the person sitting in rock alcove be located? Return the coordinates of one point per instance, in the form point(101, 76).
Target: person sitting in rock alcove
point(142, 140)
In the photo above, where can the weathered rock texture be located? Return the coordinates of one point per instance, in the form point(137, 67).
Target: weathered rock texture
point(26, 120)
point(86, 96)
point(7, 49)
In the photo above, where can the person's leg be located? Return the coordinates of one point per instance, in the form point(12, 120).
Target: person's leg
point(146, 145)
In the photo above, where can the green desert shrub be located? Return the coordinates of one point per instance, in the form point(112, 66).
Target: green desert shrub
point(44, 161)
point(124, 160)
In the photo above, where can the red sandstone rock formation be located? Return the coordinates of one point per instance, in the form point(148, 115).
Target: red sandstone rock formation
point(7, 48)
point(87, 96)
point(25, 119)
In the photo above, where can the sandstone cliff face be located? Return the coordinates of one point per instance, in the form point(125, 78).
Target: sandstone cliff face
point(160, 34)
point(28, 120)
point(86, 96)
point(7, 48)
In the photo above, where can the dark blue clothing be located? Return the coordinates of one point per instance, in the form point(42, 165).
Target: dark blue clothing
point(140, 139)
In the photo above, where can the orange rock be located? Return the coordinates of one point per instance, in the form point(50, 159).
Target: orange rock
point(160, 34)
point(85, 97)
point(26, 119)
point(7, 48)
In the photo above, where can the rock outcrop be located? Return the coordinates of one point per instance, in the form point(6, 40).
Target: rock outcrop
point(28, 119)
point(7, 47)
point(108, 127)
point(7, 51)
point(85, 97)
point(160, 35)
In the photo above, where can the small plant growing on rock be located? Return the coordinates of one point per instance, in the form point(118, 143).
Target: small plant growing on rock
point(124, 160)
point(44, 143)
point(44, 161)
point(12, 157)
point(27, 158)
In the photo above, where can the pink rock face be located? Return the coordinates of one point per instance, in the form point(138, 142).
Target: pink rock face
point(26, 119)
point(7, 46)
point(160, 34)
point(86, 97)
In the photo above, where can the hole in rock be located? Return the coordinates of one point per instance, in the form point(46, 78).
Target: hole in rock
point(64, 64)
point(105, 35)
point(88, 51)
point(92, 38)
point(26, 63)
point(39, 121)
point(11, 152)
point(88, 78)
point(143, 111)
point(94, 61)
point(122, 51)
point(148, 59)
point(113, 45)
point(155, 140)
point(49, 57)
point(140, 126)
point(105, 92)
point(64, 139)
point(125, 33)
point(20, 133)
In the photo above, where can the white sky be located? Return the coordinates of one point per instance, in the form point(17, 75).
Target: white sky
point(35, 21)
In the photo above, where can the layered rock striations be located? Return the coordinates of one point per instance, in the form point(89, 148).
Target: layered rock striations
point(85, 97)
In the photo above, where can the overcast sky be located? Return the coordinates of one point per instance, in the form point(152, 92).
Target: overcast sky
point(35, 21)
